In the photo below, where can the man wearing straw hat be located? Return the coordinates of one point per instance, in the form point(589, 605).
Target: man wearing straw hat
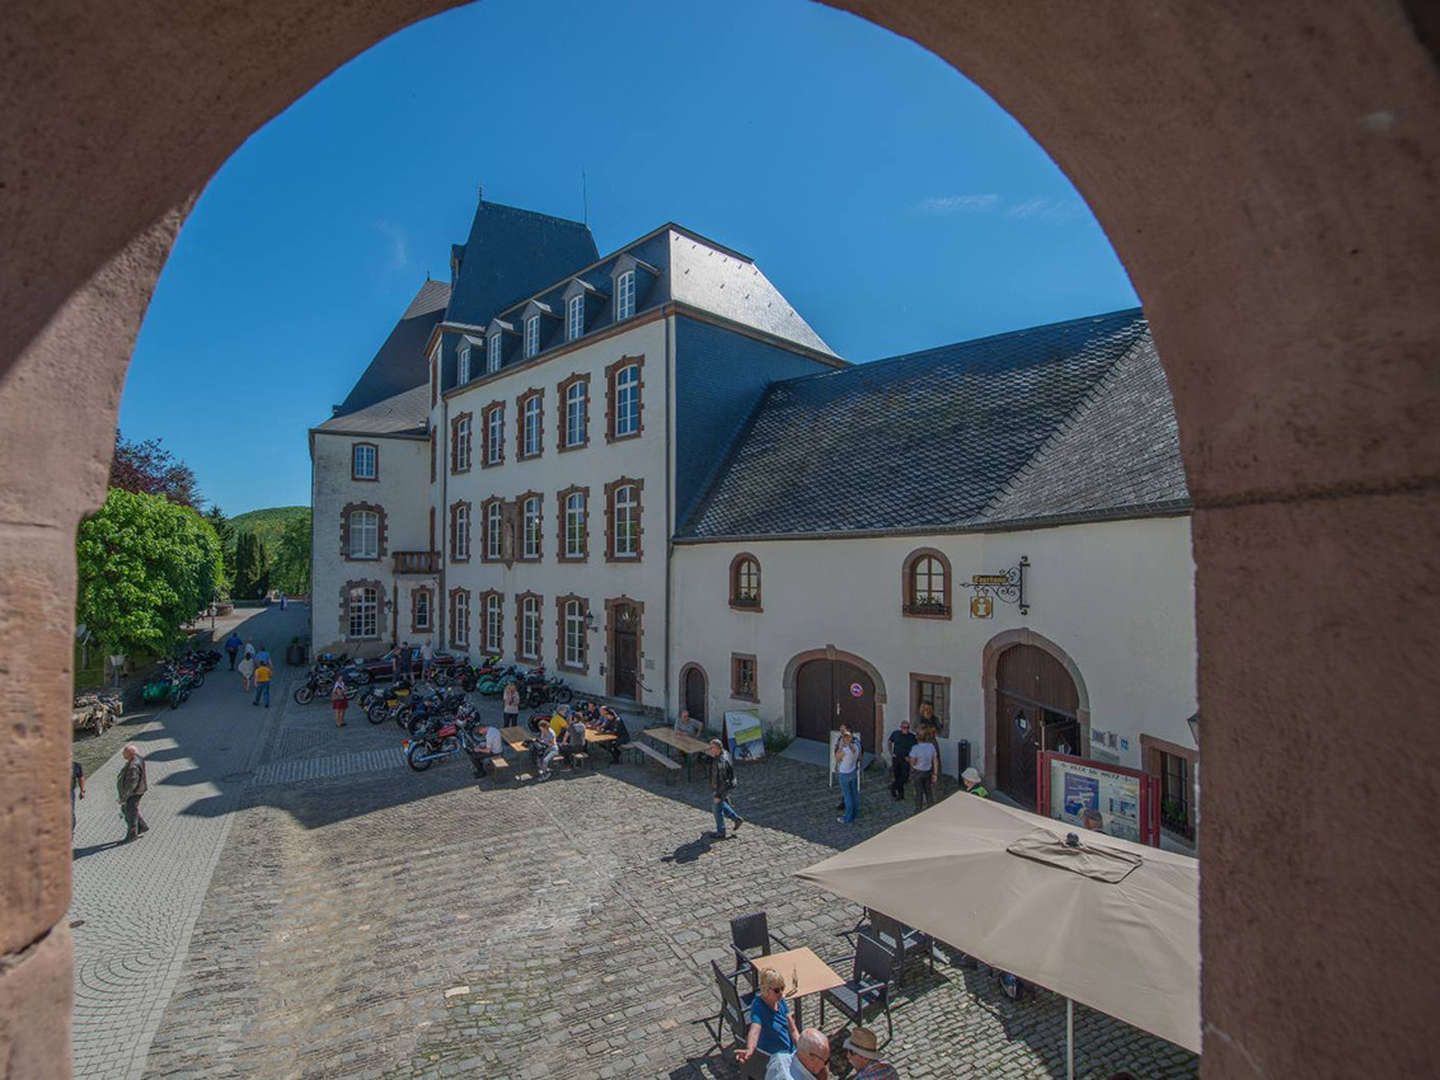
point(864, 1058)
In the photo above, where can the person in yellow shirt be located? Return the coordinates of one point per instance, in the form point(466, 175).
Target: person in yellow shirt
point(262, 682)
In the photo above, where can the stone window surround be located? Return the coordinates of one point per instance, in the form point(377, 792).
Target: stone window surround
point(611, 373)
point(375, 447)
point(520, 400)
point(487, 644)
point(734, 584)
point(485, 460)
point(520, 555)
point(942, 717)
point(382, 531)
point(562, 388)
point(455, 420)
point(456, 622)
point(907, 595)
point(610, 490)
point(485, 556)
point(416, 627)
point(610, 606)
point(1151, 748)
point(455, 555)
point(520, 653)
point(735, 692)
point(561, 497)
point(432, 455)
point(365, 583)
point(584, 666)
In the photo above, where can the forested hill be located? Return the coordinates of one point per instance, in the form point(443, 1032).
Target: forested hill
point(269, 523)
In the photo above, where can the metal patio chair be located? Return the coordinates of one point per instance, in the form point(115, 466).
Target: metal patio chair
point(750, 939)
point(868, 989)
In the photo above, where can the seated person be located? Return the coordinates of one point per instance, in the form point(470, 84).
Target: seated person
point(543, 749)
point(772, 1025)
point(686, 726)
point(489, 745)
point(574, 740)
point(611, 723)
point(560, 720)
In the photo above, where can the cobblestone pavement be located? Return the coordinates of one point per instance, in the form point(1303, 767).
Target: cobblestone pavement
point(133, 906)
point(385, 923)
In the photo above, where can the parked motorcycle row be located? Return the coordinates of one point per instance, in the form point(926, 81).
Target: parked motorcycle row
point(175, 679)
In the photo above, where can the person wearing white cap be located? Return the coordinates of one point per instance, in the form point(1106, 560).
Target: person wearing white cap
point(973, 782)
point(864, 1057)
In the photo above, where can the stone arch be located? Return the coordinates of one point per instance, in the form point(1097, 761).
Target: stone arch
point(830, 652)
point(990, 662)
point(683, 699)
point(1164, 119)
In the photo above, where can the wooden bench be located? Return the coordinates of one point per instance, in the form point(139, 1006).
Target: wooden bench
point(672, 767)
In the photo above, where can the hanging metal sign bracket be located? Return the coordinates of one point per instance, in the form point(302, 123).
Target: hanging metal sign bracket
point(1008, 587)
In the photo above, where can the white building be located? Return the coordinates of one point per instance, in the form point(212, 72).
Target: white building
point(647, 472)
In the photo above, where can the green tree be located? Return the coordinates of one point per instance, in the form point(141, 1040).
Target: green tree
point(226, 532)
point(146, 567)
point(252, 567)
point(290, 571)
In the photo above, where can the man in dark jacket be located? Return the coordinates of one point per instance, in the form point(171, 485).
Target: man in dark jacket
point(130, 785)
point(902, 741)
point(723, 777)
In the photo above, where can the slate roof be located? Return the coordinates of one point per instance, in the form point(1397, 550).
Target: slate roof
point(1071, 421)
point(400, 362)
point(406, 413)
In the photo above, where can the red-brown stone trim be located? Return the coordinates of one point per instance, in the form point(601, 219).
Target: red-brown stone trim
point(1150, 750)
point(562, 388)
point(485, 506)
point(560, 497)
point(455, 554)
point(907, 590)
point(364, 479)
point(735, 602)
point(458, 642)
point(830, 652)
point(942, 717)
point(432, 456)
point(456, 442)
point(415, 625)
point(584, 666)
point(485, 413)
point(487, 643)
point(520, 400)
point(685, 669)
point(539, 498)
point(989, 668)
point(610, 490)
point(520, 653)
point(379, 587)
point(736, 690)
point(610, 606)
point(382, 531)
point(610, 374)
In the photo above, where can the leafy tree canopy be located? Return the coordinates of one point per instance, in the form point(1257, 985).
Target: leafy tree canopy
point(147, 468)
point(290, 568)
point(146, 567)
point(252, 567)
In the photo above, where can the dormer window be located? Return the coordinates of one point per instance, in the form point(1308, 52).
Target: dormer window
point(625, 295)
point(532, 335)
point(464, 355)
point(575, 317)
point(492, 356)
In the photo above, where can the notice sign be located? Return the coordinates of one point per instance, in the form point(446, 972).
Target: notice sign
point(745, 735)
point(1095, 795)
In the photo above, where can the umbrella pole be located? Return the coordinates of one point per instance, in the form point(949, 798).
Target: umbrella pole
point(1069, 1039)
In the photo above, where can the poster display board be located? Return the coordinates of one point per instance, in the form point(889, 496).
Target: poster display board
point(744, 735)
point(1097, 795)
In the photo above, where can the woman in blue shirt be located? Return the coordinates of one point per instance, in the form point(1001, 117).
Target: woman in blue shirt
point(772, 1027)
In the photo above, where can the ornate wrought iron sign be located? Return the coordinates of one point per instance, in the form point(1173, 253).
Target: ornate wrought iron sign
point(1008, 588)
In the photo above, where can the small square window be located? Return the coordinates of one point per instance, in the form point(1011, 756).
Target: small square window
point(363, 465)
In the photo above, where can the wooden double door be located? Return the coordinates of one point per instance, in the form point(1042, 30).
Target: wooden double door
point(829, 693)
point(1037, 709)
point(625, 652)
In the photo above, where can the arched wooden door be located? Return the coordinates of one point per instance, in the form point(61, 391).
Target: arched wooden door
point(1037, 711)
point(695, 692)
point(829, 693)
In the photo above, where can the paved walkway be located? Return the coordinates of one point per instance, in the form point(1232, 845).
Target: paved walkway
point(134, 906)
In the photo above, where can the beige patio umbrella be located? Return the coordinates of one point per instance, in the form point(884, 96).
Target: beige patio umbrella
point(1109, 923)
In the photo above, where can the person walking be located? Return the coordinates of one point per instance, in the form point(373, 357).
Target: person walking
point(902, 741)
point(510, 701)
point(339, 701)
point(863, 1054)
point(262, 681)
point(262, 655)
point(77, 783)
point(246, 667)
point(131, 786)
point(847, 764)
point(923, 757)
point(232, 647)
point(282, 601)
point(722, 777)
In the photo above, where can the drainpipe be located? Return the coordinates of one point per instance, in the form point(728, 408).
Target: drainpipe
point(443, 450)
point(669, 510)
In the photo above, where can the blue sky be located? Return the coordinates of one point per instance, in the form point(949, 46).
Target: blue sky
point(894, 204)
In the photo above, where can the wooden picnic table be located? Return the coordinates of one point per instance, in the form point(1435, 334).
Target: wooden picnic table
point(687, 745)
point(804, 972)
point(517, 737)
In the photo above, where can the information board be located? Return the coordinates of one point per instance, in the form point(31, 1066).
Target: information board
point(1097, 795)
point(744, 735)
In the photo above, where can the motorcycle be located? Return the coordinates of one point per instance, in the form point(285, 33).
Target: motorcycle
point(431, 709)
point(319, 681)
point(391, 703)
point(445, 739)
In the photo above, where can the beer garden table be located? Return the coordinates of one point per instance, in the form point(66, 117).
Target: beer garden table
point(687, 745)
point(804, 972)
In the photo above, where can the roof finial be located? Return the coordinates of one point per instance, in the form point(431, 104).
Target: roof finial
point(480, 192)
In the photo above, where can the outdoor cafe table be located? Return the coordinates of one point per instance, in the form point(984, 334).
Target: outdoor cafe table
point(804, 972)
point(517, 737)
point(688, 745)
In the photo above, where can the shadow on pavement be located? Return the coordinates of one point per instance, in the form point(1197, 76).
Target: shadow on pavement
point(81, 852)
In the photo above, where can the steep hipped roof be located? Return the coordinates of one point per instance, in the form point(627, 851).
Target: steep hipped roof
point(406, 413)
point(1066, 421)
point(510, 254)
point(400, 362)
